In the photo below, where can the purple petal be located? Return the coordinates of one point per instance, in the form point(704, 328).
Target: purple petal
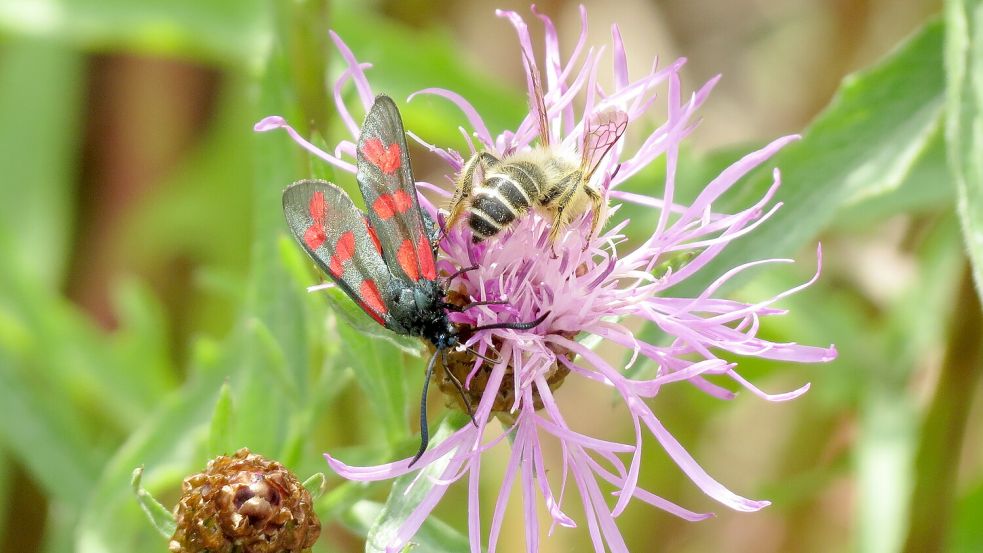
point(730, 175)
point(696, 473)
point(553, 68)
point(474, 505)
point(651, 498)
point(422, 511)
point(528, 485)
point(361, 82)
point(387, 471)
point(669, 506)
point(467, 109)
point(769, 397)
point(340, 102)
point(630, 483)
point(277, 122)
point(620, 59)
point(503, 495)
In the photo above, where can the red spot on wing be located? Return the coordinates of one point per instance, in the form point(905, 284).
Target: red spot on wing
point(378, 318)
point(388, 205)
point(314, 236)
point(372, 300)
point(425, 255)
point(374, 237)
point(406, 256)
point(317, 206)
point(386, 159)
point(402, 200)
point(343, 251)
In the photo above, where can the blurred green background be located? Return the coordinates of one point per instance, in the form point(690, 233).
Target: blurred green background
point(153, 311)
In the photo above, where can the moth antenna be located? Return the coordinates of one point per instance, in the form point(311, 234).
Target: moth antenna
point(513, 326)
point(424, 431)
point(459, 308)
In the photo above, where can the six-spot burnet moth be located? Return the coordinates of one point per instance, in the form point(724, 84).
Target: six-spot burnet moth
point(382, 258)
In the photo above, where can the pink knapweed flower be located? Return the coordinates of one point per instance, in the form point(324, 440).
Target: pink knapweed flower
point(588, 286)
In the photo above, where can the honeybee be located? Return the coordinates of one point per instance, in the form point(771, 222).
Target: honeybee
point(554, 183)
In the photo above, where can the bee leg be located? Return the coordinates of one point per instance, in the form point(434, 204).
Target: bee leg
point(561, 201)
point(465, 184)
point(558, 225)
point(597, 207)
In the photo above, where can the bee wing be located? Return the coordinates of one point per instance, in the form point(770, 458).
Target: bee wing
point(338, 237)
point(601, 133)
point(537, 99)
point(386, 180)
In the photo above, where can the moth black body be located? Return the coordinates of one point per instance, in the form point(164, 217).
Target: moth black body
point(383, 258)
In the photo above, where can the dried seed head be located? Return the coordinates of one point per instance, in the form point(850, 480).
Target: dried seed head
point(461, 363)
point(244, 504)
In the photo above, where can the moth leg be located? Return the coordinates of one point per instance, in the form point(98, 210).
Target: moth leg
point(459, 386)
point(484, 302)
point(459, 273)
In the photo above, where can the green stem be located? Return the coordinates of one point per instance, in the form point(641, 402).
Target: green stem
point(304, 28)
point(944, 427)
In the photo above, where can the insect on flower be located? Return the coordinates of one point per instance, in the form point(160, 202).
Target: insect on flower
point(383, 259)
point(543, 178)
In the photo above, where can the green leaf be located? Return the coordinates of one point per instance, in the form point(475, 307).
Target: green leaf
point(6, 486)
point(966, 536)
point(964, 120)
point(142, 334)
point(41, 97)
point(315, 485)
point(435, 536)
point(916, 324)
point(222, 417)
point(398, 71)
point(927, 188)
point(93, 371)
point(47, 435)
point(405, 496)
point(865, 143)
point(161, 519)
point(166, 443)
point(381, 371)
point(884, 466)
point(267, 355)
point(218, 30)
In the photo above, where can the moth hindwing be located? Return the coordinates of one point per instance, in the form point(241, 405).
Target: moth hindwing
point(338, 237)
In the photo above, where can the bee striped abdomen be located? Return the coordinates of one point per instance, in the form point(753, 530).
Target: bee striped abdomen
point(506, 194)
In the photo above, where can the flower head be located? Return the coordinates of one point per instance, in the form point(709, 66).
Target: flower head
point(244, 503)
point(588, 284)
